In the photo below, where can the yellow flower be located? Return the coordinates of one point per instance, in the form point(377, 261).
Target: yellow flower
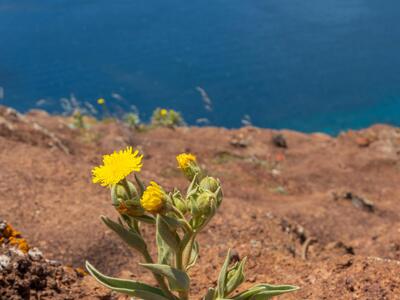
point(117, 166)
point(153, 198)
point(185, 160)
point(163, 112)
point(101, 101)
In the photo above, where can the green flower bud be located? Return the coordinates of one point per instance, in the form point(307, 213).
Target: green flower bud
point(209, 183)
point(188, 164)
point(206, 203)
point(125, 192)
point(125, 199)
point(179, 202)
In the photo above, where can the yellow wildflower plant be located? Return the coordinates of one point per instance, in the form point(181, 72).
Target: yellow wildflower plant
point(117, 166)
point(153, 198)
point(163, 112)
point(163, 117)
point(176, 219)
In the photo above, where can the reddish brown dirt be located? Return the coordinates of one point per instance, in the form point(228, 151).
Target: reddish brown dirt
point(285, 208)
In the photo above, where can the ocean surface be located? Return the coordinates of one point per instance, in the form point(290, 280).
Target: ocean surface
point(308, 65)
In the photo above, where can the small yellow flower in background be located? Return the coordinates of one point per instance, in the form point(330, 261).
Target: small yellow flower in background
point(185, 160)
point(153, 198)
point(117, 166)
point(101, 101)
point(163, 112)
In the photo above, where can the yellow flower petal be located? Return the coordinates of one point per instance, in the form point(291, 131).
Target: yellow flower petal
point(185, 159)
point(117, 166)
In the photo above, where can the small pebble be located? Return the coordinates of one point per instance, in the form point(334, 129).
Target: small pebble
point(35, 254)
point(4, 261)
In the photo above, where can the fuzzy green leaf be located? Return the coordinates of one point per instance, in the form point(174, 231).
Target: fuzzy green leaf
point(222, 276)
point(265, 292)
point(140, 185)
point(237, 278)
point(128, 287)
point(170, 237)
point(173, 223)
point(193, 255)
point(179, 279)
point(130, 237)
point(146, 219)
point(164, 251)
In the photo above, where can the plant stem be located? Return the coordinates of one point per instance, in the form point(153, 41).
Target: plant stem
point(147, 257)
point(183, 295)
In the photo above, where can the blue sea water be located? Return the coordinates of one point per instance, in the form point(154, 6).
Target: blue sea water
point(308, 65)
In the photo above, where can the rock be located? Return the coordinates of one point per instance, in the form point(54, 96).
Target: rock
point(363, 142)
point(4, 262)
point(279, 141)
point(35, 254)
point(360, 202)
point(239, 141)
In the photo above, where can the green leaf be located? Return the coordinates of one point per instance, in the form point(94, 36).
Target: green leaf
point(128, 287)
point(146, 219)
point(222, 276)
point(270, 291)
point(173, 223)
point(193, 255)
point(192, 185)
point(237, 278)
point(130, 237)
point(114, 196)
point(170, 237)
point(179, 279)
point(140, 185)
point(164, 252)
point(265, 292)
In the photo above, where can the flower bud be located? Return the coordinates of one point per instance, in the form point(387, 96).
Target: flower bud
point(179, 202)
point(206, 202)
point(209, 183)
point(125, 192)
point(188, 164)
point(154, 199)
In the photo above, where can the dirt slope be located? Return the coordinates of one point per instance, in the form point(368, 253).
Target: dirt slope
point(322, 213)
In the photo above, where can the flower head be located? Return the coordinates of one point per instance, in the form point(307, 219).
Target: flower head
point(101, 101)
point(188, 164)
point(163, 112)
point(185, 160)
point(153, 198)
point(117, 166)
